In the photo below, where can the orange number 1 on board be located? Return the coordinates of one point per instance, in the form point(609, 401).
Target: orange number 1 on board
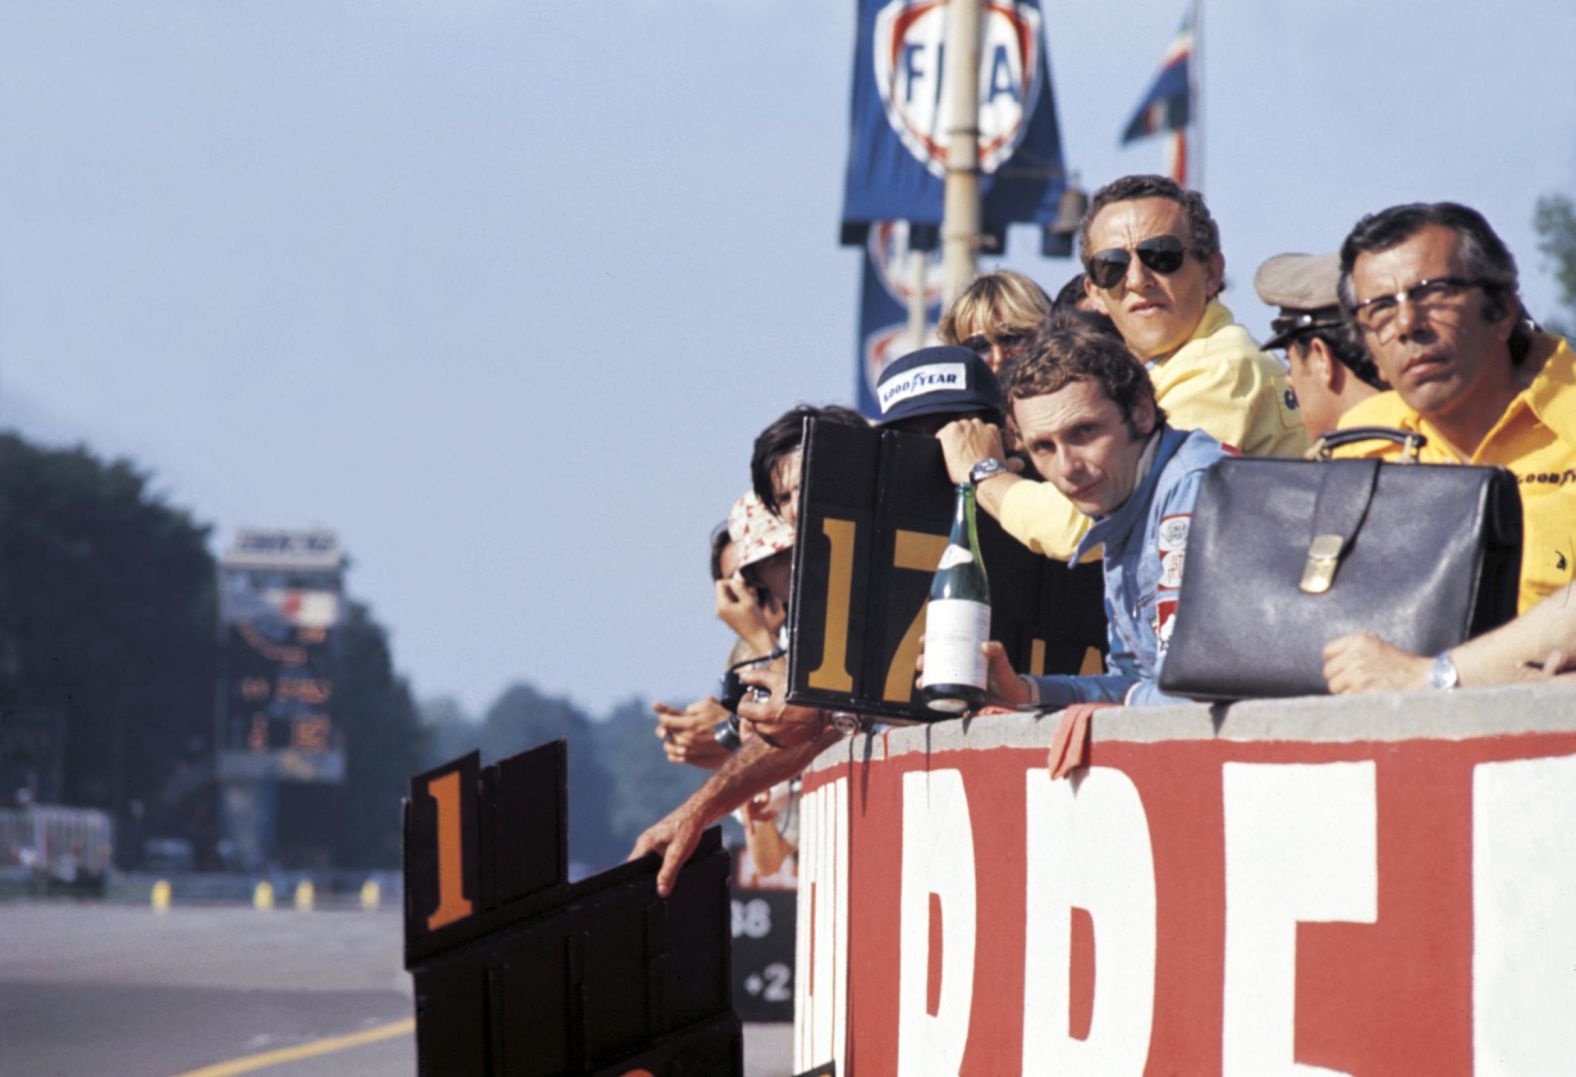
point(452, 903)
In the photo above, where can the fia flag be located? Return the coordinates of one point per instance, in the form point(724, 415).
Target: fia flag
point(888, 282)
point(897, 153)
point(1167, 106)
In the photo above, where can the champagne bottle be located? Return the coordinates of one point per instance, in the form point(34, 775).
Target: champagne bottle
point(957, 620)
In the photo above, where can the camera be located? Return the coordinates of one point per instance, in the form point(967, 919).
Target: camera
point(730, 691)
point(727, 734)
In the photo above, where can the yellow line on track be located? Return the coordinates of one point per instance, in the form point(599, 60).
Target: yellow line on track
point(305, 1050)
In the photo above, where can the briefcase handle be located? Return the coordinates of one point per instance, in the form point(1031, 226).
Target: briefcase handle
point(1410, 441)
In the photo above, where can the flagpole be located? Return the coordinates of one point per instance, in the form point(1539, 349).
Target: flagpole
point(961, 218)
point(916, 296)
point(1196, 81)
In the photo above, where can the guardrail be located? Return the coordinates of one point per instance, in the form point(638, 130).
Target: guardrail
point(53, 846)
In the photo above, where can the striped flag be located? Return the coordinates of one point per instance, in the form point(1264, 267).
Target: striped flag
point(1167, 106)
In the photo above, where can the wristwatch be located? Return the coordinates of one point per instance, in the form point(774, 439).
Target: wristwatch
point(844, 722)
point(986, 468)
point(1442, 674)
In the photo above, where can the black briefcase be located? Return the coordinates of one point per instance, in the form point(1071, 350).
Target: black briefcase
point(1285, 555)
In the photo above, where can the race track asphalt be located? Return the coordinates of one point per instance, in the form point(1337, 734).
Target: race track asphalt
point(95, 988)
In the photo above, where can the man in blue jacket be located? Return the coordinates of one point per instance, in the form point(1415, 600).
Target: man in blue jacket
point(1087, 415)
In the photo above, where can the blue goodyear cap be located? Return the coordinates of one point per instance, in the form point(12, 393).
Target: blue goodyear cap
point(932, 381)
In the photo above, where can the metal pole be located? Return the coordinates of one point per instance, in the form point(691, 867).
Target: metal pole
point(960, 221)
point(1196, 80)
point(916, 299)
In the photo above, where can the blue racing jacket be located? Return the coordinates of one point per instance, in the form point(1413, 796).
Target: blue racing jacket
point(1144, 542)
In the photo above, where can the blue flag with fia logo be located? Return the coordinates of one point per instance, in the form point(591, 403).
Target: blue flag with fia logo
point(897, 151)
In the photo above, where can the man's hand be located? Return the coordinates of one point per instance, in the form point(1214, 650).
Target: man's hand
point(770, 714)
point(673, 838)
point(688, 735)
point(740, 610)
point(1004, 690)
point(965, 442)
point(1003, 687)
point(1556, 663)
point(758, 809)
point(1366, 663)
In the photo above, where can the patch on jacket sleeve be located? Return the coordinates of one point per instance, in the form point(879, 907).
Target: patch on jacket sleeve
point(1172, 542)
point(1173, 532)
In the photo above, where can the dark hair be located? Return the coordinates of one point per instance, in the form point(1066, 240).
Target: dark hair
point(719, 542)
point(1071, 352)
point(1071, 295)
point(1092, 320)
point(1347, 347)
point(784, 436)
point(1484, 256)
point(1203, 232)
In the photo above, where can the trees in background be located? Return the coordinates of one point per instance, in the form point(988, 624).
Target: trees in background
point(620, 781)
point(1555, 221)
point(108, 619)
point(107, 610)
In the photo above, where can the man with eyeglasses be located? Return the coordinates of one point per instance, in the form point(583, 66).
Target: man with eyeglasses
point(1433, 292)
point(1329, 370)
point(1151, 253)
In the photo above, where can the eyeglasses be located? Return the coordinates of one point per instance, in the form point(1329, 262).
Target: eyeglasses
point(1163, 254)
point(1376, 316)
point(981, 344)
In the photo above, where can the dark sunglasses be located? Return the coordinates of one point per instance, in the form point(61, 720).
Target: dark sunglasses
point(980, 344)
point(1163, 254)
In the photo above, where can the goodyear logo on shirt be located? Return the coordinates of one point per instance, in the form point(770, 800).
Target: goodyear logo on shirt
point(1548, 478)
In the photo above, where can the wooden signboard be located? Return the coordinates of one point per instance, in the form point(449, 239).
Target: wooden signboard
point(874, 511)
point(765, 915)
point(518, 971)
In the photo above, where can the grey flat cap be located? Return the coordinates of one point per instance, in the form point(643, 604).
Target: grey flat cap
point(1304, 287)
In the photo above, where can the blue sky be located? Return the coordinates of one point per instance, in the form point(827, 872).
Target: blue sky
point(502, 291)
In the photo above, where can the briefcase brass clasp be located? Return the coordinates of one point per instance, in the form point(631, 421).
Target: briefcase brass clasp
point(1324, 554)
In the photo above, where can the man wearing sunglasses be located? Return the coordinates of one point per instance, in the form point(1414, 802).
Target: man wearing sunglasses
point(1329, 370)
point(1432, 290)
point(1151, 254)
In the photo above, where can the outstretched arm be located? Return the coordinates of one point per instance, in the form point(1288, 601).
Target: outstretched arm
point(1539, 643)
point(755, 767)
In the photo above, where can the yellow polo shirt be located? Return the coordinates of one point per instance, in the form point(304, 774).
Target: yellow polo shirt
point(1218, 382)
point(1535, 440)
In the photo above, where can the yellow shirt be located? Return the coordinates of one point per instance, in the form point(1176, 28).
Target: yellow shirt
point(1218, 382)
point(1535, 440)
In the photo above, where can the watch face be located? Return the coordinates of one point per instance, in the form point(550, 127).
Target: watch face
point(1443, 673)
point(985, 469)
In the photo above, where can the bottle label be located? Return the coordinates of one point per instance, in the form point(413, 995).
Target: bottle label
point(954, 555)
point(954, 630)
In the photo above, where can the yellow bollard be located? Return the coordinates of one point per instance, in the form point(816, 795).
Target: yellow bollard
point(371, 895)
point(161, 896)
point(304, 893)
point(263, 896)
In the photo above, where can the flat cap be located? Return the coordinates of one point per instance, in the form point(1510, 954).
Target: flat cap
point(1304, 287)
